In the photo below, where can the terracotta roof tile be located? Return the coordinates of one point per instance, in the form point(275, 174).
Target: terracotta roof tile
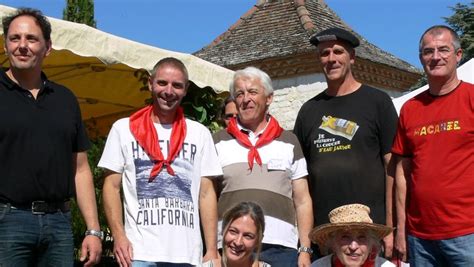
point(281, 28)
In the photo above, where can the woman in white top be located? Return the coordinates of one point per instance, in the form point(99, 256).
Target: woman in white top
point(351, 237)
point(243, 227)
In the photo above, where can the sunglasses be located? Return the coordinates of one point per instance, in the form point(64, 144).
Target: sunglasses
point(229, 116)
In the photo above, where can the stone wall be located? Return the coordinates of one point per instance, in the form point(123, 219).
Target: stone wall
point(290, 94)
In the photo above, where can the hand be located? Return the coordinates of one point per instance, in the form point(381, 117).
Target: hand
point(401, 245)
point(388, 246)
point(215, 262)
point(304, 259)
point(91, 250)
point(123, 251)
point(215, 257)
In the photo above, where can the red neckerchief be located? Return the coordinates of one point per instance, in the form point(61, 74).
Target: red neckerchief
point(142, 128)
point(369, 262)
point(272, 131)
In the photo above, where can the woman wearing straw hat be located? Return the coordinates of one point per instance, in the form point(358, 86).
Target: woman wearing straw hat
point(351, 237)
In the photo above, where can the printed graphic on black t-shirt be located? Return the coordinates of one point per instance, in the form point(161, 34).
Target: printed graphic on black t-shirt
point(337, 128)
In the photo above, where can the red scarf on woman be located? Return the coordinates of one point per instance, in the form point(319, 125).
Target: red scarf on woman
point(142, 128)
point(272, 131)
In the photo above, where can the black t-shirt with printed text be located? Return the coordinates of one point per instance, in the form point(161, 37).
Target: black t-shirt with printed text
point(344, 140)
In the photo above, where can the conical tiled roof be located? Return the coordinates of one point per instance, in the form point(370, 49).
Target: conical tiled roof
point(279, 29)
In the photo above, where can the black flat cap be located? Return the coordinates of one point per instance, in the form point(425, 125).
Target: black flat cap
point(333, 34)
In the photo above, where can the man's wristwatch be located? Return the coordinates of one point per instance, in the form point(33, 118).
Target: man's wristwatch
point(305, 249)
point(99, 233)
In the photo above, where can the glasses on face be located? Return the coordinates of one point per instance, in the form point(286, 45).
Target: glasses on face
point(229, 116)
point(442, 51)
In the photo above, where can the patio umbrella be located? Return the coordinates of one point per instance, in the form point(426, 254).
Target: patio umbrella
point(108, 73)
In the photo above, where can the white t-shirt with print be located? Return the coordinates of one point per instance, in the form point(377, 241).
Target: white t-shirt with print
point(162, 216)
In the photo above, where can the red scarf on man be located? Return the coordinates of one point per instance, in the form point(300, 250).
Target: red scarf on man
point(272, 131)
point(142, 128)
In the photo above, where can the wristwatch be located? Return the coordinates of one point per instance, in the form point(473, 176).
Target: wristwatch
point(99, 234)
point(305, 249)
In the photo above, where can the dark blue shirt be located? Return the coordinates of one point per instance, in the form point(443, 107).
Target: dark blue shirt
point(37, 140)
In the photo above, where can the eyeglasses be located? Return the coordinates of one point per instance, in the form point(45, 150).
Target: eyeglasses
point(229, 116)
point(442, 51)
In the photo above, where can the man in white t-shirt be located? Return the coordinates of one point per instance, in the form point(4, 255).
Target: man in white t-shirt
point(164, 164)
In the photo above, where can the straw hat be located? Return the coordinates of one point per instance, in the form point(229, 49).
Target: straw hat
point(348, 217)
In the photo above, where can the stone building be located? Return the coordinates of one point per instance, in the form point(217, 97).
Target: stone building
point(274, 36)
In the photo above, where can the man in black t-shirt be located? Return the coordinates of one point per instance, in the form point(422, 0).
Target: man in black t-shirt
point(346, 133)
point(43, 159)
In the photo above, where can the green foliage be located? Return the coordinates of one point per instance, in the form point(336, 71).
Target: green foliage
point(203, 105)
point(462, 21)
point(78, 228)
point(81, 11)
point(78, 224)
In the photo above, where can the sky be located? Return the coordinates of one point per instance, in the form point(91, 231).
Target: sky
point(188, 25)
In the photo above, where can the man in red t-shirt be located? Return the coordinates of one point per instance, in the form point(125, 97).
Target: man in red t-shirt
point(434, 149)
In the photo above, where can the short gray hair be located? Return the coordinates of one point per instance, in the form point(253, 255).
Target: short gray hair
point(253, 73)
point(439, 29)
